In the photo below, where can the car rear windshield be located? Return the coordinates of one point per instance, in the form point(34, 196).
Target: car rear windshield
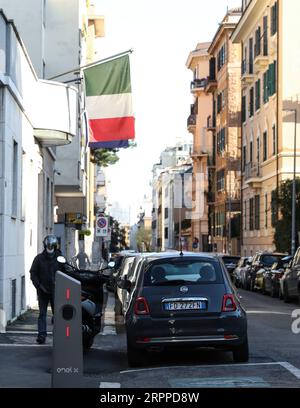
point(173, 272)
point(231, 260)
point(268, 260)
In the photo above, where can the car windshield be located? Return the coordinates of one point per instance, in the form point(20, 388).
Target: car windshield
point(179, 272)
point(268, 260)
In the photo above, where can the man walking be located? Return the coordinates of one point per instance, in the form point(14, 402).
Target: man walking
point(42, 274)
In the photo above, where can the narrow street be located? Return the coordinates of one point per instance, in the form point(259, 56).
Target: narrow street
point(274, 355)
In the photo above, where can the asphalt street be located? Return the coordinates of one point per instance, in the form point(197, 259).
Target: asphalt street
point(274, 355)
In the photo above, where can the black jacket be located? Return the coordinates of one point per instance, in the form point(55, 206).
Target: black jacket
point(43, 269)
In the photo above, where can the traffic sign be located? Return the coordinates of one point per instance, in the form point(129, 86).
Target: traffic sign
point(101, 226)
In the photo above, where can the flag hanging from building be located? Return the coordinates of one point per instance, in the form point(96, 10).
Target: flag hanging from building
point(109, 103)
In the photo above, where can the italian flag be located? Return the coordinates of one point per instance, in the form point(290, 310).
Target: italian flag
point(108, 101)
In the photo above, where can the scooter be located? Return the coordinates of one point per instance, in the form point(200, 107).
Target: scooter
point(91, 298)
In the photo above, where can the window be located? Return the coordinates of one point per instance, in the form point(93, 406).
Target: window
point(265, 146)
point(257, 212)
point(258, 149)
point(272, 79)
point(251, 102)
point(244, 108)
point(266, 210)
point(251, 211)
point(257, 95)
point(221, 57)
point(251, 151)
point(251, 56)
point(244, 157)
point(273, 208)
point(257, 47)
point(266, 93)
point(274, 139)
point(274, 12)
point(13, 298)
point(166, 213)
point(265, 39)
point(23, 292)
point(221, 141)
point(166, 232)
point(15, 167)
point(219, 102)
point(221, 180)
point(212, 69)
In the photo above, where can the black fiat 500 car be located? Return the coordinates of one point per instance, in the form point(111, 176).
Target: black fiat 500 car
point(183, 301)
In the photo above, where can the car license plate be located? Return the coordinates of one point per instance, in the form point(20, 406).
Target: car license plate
point(197, 305)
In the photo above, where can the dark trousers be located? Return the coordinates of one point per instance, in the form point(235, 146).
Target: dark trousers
point(44, 299)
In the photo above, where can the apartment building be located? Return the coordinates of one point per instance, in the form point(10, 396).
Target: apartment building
point(223, 83)
point(268, 34)
point(171, 213)
point(29, 132)
point(202, 153)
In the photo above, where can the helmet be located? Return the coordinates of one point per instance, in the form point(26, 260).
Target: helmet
point(50, 242)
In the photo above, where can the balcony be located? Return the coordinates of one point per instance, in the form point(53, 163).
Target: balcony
point(191, 123)
point(211, 123)
point(54, 119)
point(252, 175)
point(211, 85)
point(261, 61)
point(198, 153)
point(198, 85)
point(247, 74)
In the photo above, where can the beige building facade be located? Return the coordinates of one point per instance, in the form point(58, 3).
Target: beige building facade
point(224, 85)
point(202, 154)
point(267, 33)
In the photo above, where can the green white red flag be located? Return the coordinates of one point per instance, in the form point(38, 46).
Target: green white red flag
point(109, 102)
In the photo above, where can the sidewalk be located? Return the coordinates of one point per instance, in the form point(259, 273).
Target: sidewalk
point(28, 322)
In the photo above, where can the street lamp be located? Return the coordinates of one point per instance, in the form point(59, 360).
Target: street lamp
point(293, 249)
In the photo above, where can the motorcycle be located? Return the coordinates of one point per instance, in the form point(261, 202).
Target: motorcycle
point(91, 298)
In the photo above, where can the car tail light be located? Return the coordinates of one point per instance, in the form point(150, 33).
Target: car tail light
point(229, 304)
point(141, 306)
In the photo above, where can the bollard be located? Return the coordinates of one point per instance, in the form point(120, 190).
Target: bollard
point(67, 368)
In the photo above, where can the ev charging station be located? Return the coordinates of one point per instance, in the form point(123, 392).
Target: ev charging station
point(67, 368)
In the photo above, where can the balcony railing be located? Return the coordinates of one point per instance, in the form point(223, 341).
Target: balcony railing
point(252, 170)
point(191, 120)
point(211, 122)
point(198, 84)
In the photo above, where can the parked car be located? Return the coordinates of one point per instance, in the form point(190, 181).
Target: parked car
point(183, 301)
point(261, 261)
point(290, 281)
point(264, 274)
point(272, 277)
point(239, 273)
point(230, 262)
point(123, 272)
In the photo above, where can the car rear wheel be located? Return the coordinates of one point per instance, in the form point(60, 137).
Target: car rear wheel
point(241, 353)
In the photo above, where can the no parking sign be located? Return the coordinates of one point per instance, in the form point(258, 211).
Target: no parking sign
point(101, 226)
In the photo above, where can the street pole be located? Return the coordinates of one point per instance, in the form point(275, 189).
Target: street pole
point(229, 210)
